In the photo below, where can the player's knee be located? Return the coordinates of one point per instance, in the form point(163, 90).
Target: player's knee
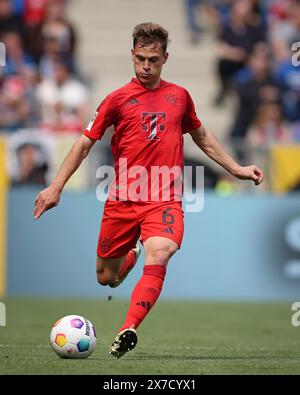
point(160, 256)
point(105, 278)
point(102, 280)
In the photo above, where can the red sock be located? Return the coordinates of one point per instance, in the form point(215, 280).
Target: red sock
point(128, 263)
point(144, 295)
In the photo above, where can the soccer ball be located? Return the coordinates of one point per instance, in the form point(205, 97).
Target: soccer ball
point(73, 336)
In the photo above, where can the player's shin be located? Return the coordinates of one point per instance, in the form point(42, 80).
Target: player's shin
point(129, 262)
point(144, 295)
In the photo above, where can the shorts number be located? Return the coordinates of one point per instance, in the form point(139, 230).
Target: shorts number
point(168, 218)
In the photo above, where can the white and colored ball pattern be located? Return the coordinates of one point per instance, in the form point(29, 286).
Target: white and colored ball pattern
point(73, 336)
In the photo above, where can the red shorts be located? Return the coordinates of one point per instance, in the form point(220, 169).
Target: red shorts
point(123, 222)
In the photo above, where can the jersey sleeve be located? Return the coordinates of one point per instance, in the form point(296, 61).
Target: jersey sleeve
point(190, 121)
point(104, 117)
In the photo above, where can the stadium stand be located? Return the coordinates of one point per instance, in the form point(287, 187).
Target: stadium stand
point(62, 60)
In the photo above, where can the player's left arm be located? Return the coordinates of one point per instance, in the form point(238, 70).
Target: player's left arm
point(206, 140)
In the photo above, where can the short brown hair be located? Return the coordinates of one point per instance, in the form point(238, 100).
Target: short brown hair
point(149, 33)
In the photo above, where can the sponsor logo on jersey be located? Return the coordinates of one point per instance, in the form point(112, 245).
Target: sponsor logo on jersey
point(153, 122)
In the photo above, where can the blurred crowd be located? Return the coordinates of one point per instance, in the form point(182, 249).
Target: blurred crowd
point(39, 86)
point(255, 44)
point(42, 93)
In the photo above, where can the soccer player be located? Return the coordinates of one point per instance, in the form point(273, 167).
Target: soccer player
point(149, 116)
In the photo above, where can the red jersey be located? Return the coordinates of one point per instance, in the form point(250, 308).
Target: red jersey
point(34, 11)
point(149, 126)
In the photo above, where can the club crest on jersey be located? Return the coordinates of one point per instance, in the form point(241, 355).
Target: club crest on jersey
point(104, 244)
point(153, 123)
point(171, 98)
point(89, 126)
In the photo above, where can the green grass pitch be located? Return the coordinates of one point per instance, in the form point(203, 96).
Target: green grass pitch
point(176, 338)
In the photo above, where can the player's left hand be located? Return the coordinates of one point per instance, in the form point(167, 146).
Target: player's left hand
point(253, 173)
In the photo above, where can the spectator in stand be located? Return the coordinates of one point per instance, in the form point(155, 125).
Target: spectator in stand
point(30, 78)
point(286, 30)
point(34, 12)
point(51, 53)
point(17, 7)
point(284, 34)
point(13, 105)
point(236, 41)
point(278, 11)
point(32, 166)
point(269, 126)
point(219, 10)
point(192, 8)
point(57, 26)
point(288, 77)
point(33, 17)
point(259, 16)
point(253, 84)
point(17, 58)
point(63, 100)
point(9, 22)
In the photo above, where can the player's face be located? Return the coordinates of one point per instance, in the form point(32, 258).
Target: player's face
point(148, 62)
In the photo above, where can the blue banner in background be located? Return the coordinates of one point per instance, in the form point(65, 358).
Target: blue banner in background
point(236, 248)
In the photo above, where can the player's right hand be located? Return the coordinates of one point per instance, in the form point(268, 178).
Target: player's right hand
point(45, 200)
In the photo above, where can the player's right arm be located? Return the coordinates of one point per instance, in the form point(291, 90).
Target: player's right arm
point(103, 118)
point(50, 196)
